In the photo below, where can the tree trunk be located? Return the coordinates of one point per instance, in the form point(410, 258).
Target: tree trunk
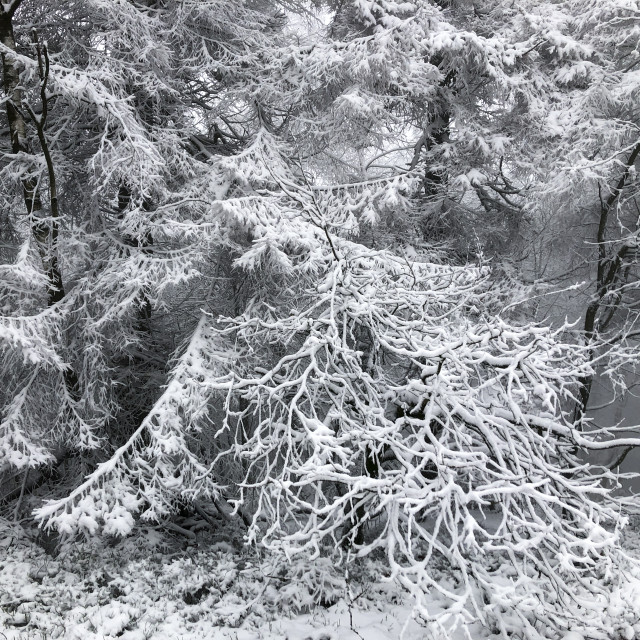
point(45, 229)
point(609, 274)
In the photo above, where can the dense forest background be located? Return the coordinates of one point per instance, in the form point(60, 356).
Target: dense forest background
point(361, 275)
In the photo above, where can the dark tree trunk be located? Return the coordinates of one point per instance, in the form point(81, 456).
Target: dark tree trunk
point(45, 229)
point(610, 276)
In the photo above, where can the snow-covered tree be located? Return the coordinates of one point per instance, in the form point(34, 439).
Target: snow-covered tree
point(375, 402)
point(110, 146)
point(249, 303)
point(578, 161)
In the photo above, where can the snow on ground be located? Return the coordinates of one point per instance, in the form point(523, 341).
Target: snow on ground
point(142, 589)
point(154, 587)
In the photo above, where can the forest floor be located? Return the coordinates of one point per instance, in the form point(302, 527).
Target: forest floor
point(157, 586)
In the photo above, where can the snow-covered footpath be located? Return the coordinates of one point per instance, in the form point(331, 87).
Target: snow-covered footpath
point(153, 586)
